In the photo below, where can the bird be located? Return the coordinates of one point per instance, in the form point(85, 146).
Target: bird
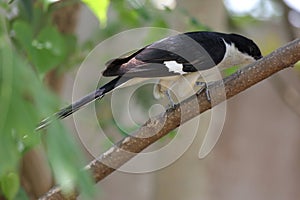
point(169, 60)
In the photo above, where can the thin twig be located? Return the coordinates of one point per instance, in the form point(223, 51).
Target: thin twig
point(161, 125)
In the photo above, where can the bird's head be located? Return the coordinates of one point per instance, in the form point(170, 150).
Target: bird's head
point(244, 45)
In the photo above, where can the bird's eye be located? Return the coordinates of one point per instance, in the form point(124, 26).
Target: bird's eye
point(253, 51)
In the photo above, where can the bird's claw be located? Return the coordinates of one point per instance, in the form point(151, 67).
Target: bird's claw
point(204, 86)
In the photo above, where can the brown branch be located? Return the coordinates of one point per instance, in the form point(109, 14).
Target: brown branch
point(161, 125)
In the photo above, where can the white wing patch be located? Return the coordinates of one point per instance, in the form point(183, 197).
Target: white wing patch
point(173, 66)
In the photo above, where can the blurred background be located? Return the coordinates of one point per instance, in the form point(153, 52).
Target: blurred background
point(44, 42)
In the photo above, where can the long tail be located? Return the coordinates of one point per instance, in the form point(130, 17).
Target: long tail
point(97, 94)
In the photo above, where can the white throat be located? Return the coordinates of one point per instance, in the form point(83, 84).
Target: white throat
point(234, 57)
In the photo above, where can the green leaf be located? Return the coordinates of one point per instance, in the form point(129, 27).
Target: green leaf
point(21, 94)
point(25, 10)
point(23, 34)
point(10, 184)
point(4, 5)
point(49, 49)
point(70, 44)
point(9, 154)
point(99, 8)
point(67, 161)
point(23, 100)
point(21, 195)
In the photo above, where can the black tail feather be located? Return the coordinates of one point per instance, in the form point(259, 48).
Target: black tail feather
point(97, 94)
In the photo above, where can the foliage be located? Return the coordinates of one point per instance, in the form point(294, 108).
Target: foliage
point(99, 8)
point(35, 48)
point(47, 49)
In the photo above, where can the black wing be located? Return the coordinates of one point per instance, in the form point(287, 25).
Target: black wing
point(191, 50)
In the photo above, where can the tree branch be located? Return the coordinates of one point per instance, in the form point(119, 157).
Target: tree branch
point(161, 125)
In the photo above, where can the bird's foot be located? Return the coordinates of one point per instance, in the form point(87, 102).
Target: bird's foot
point(204, 86)
point(171, 103)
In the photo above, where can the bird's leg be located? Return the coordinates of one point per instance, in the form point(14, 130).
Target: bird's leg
point(203, 86)
point(171, 102)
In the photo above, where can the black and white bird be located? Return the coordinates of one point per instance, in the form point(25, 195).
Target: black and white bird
point(170, 59)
